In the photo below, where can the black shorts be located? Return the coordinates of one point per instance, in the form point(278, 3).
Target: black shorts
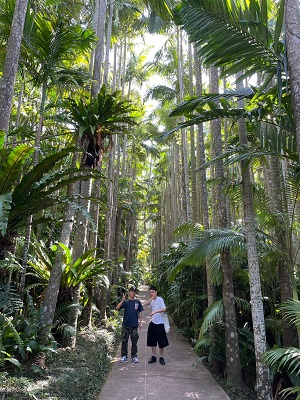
point(157, 335)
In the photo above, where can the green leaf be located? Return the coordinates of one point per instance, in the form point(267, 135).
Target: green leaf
point(11, 167)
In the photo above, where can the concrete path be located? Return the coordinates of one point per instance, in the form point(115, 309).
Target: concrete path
point(181, 378)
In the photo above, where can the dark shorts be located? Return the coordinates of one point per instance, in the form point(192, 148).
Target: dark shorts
point(157, 335)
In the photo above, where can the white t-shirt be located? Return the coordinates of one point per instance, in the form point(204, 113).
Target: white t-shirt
point(156, 305)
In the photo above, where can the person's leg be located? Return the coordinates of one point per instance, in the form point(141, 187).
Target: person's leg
point(152, 342)
point(162, 343)
point(125, 337)
point(153, 351)
point(134, 339)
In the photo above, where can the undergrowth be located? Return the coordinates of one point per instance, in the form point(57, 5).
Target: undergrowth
point(71, 374)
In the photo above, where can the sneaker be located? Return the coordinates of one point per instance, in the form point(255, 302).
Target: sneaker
point(152, 360)
point(162, 361)
point(135, 359)
point(123, 359)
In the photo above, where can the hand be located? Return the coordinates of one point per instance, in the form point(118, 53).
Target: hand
point(153, 312)
point(124, 297)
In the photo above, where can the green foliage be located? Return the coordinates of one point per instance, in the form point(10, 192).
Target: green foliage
point(104, 115)
point(36, 191)
point(240, 37)
point(11, 163)
point(78, 374)
point(50, 45)
point(20, 335)
point(10, 301)
point(74, 272)
point(287, 360)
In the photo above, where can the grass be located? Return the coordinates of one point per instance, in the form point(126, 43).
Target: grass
point(71, 374)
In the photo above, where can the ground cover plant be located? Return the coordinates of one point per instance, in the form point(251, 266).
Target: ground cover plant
point(70, 374)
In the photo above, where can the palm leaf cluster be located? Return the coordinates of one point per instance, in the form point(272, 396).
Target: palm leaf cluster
point(107, 113)
point(239, 34)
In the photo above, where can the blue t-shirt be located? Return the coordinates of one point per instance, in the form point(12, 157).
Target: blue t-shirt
point(132, 309)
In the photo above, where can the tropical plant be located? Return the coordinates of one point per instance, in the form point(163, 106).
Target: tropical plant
point(241, 37)
point(34, 192)
point(287, 360)
point(97, 119)
point(74, 272)
point(19, 334)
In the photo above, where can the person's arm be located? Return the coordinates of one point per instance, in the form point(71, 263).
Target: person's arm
point(148, 301)
point(121, 302)
point(140, 318)
point(160, 310)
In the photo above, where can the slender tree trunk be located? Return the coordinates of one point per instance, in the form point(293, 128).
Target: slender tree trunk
point(11, 62)
point(203, 213)
point(194, 199)
point(234, 374)
point(99, 51)
point(186, 209)
point(79, 247)
point(276, 195)
point(108, 39)
point(292, 37)
point(263, 386)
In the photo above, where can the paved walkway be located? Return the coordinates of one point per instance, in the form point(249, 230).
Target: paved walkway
point(181, 378)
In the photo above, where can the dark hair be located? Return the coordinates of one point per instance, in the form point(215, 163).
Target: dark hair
point(152, 287)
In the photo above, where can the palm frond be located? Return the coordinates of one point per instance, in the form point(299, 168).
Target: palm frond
point(230, 33)
point(213, 313)
point(287, 359)
point(10, 301)
point(291, 311)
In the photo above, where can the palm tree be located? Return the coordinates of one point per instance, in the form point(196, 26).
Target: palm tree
point(50, 47)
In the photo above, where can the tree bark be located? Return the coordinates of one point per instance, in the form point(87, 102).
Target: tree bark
point(99, 51)
point(11, 62)
point(234, 373)
point(292, 38)
point(263, 385)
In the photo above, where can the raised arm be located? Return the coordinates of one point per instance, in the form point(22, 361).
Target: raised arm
point(121, 302)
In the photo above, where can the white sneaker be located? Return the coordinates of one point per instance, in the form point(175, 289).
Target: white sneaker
point(135, 359)
point(123, 359)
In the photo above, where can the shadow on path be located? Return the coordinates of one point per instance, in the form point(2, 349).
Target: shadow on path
point(180, 378)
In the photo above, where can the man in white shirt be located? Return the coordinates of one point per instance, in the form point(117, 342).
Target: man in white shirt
point(156, 332)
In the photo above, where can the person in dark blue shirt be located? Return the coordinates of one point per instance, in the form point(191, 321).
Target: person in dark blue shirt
point(132, 320)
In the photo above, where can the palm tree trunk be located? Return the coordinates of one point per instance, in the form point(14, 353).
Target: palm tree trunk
point(276, 194)
point(234, 375)
point(99, 51)
point(203, 214)
point(108, 39)
point(292, 35)
point(51, 294)
point(79, 247)
point(263, 386)
point(186, 209)
point(11, 62)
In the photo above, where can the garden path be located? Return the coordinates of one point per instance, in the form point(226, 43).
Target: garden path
point(181, 378)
